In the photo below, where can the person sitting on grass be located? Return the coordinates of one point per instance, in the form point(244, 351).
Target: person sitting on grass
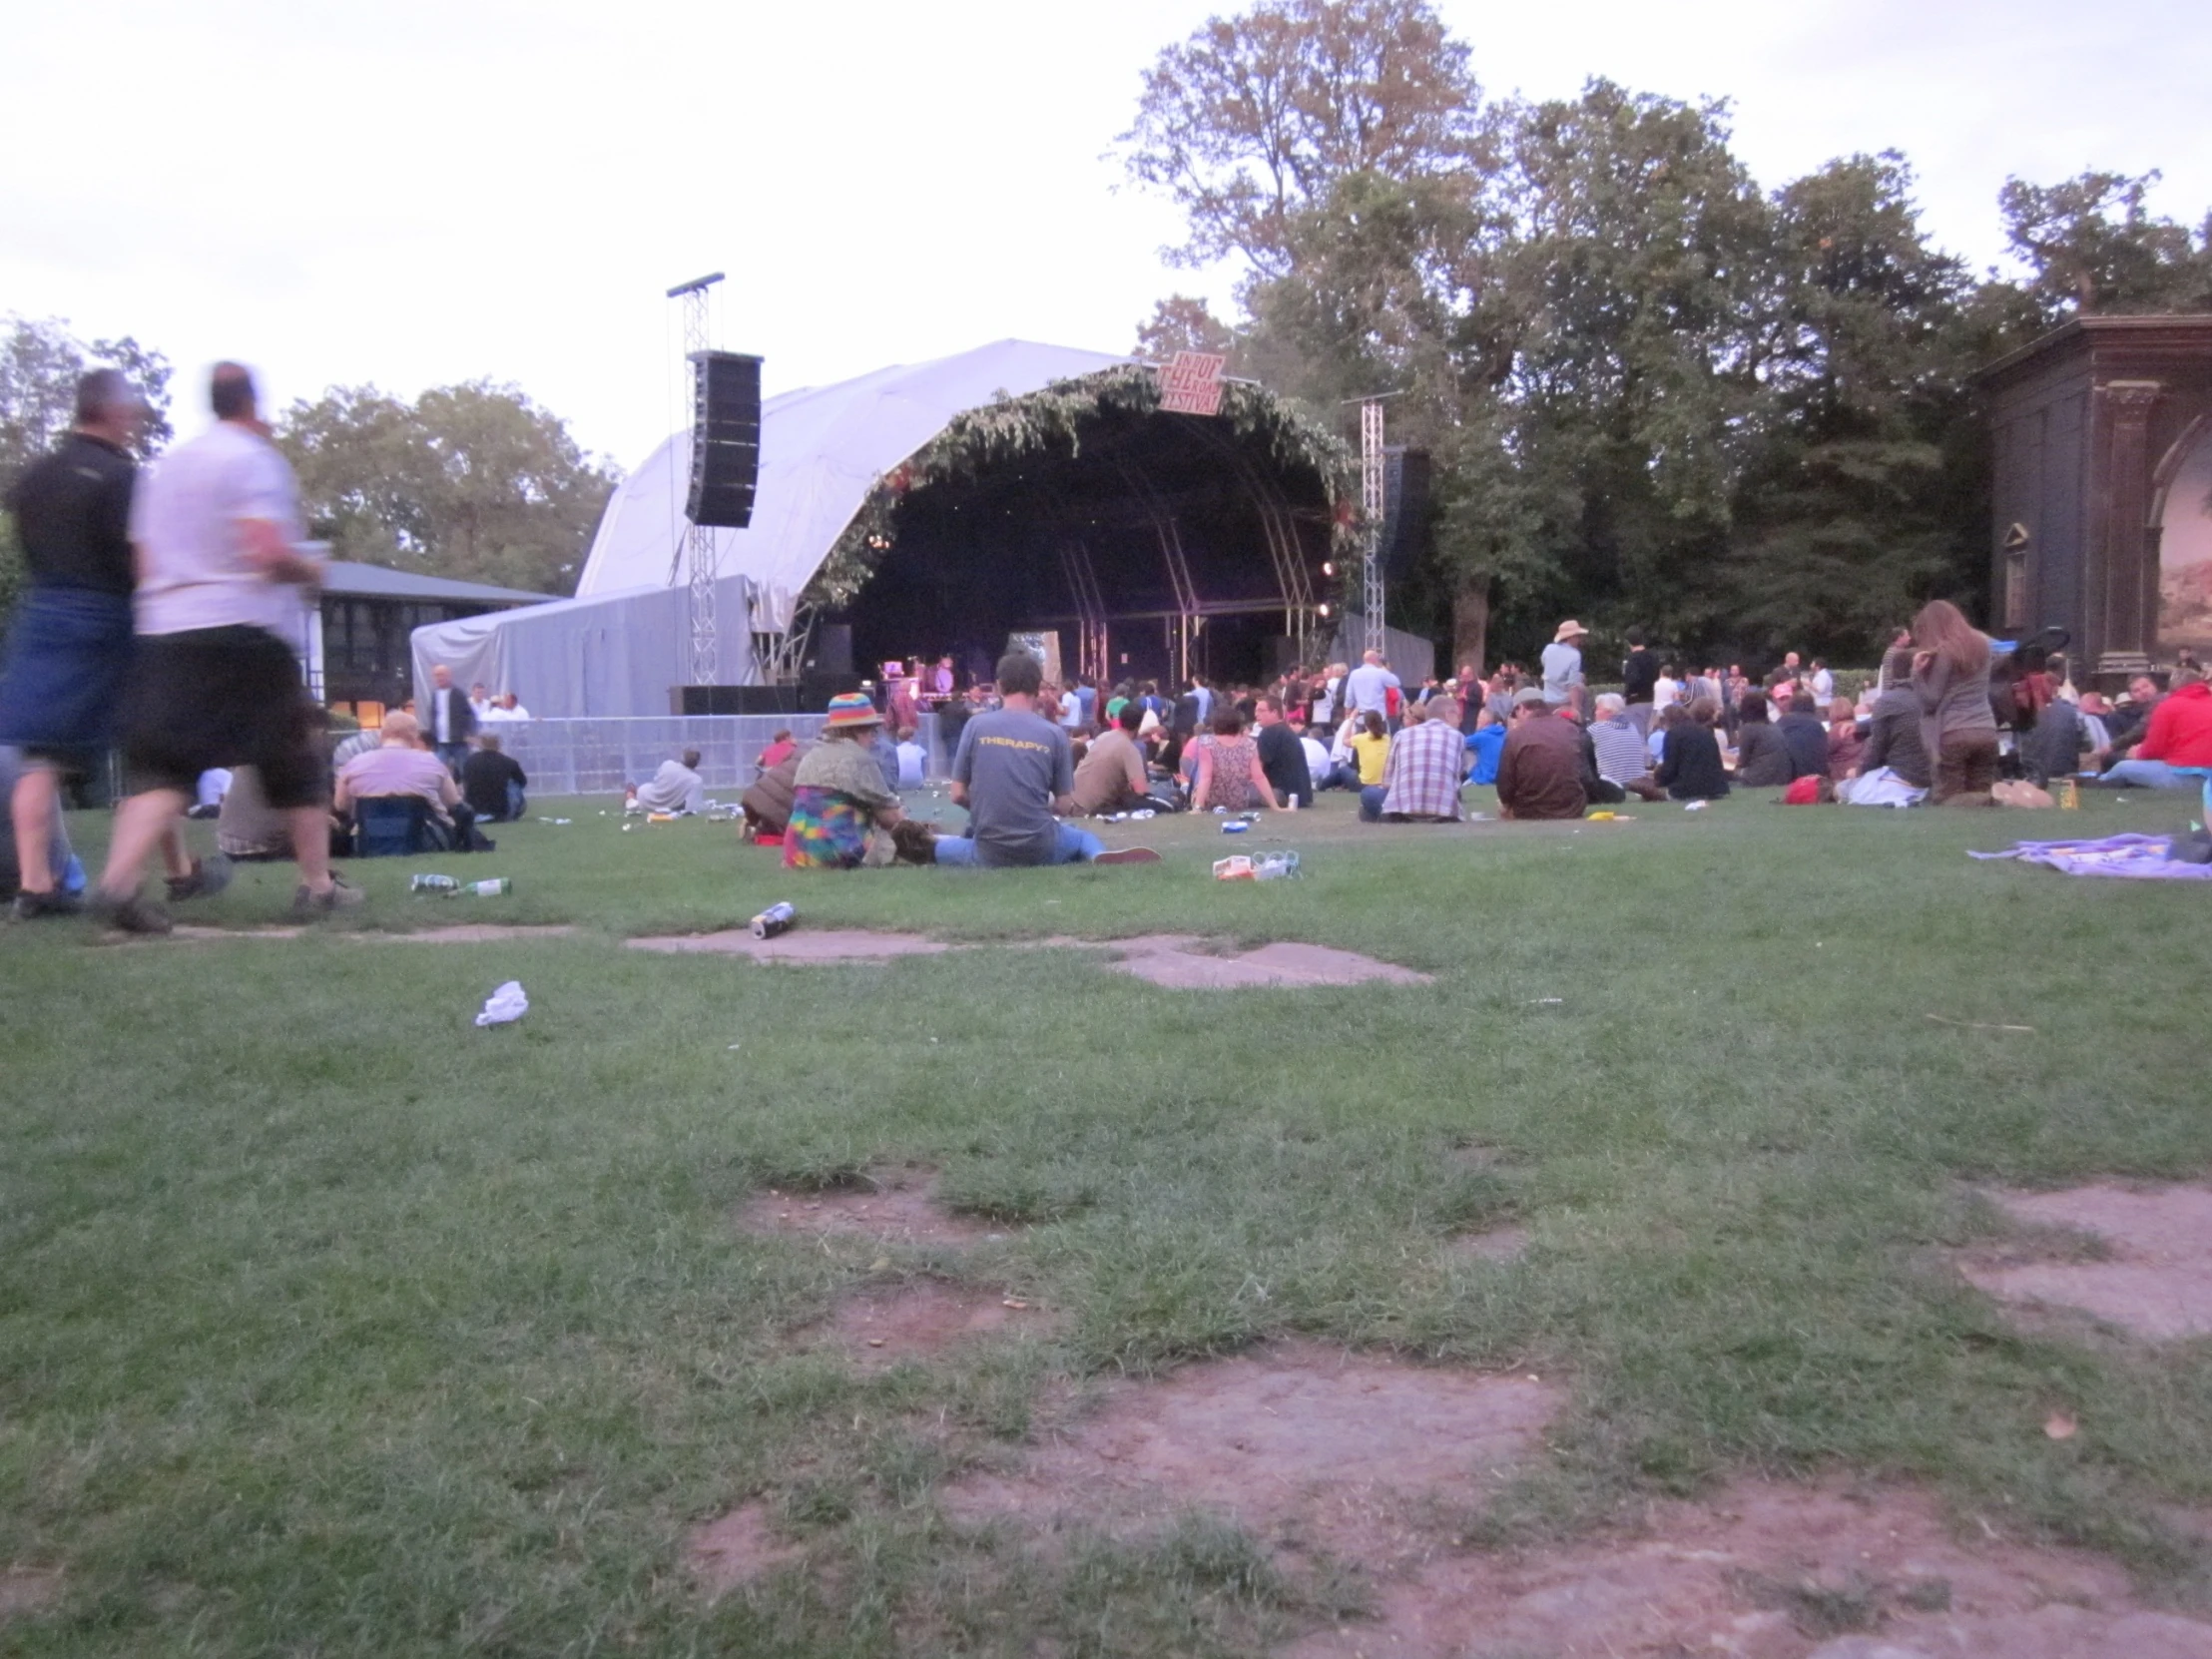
point(1420, 779)
point(767, 801)
point(779, 749)
point(1618, 748)
point(1369, 744)
point(403, 764)
point(676, 788)
point(1541, 772)
point(1014, 770)
point(1762, 757)
point(1805, 735)
point(1845, 743)
point(1318, 769)
point(494, 784)
point(1111, 777)
point(1484, 745)
point(842, 814)
point(1229, 772)
point(1689, 765)
point(1281, 756)
point(2179, 735)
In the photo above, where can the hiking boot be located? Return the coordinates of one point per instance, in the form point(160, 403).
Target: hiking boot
point(129, 914)
point(207, 877)
point(343, 895)
point(32, 907)
point(1128, 855)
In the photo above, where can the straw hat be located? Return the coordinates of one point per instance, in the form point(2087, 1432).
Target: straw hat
point(848, 709)
point(1570, 630)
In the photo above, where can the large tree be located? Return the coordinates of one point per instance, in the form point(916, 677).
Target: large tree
point(1254, 118)
point(2091, 244)
point(472, 482)
point(40, 364)
point(1654, 393)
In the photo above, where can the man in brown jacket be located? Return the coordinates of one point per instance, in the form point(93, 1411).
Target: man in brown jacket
point(1539, 773)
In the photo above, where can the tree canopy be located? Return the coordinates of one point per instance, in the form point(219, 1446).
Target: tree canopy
point(472, 482)
point(1655, 393)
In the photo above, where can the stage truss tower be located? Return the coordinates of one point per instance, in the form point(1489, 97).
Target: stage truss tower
point(705, 652)
point(1372, 506)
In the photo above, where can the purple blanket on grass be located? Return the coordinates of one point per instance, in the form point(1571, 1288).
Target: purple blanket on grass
point(2140, 857)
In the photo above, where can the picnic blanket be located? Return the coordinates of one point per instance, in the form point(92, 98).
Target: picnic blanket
point(2143, 857)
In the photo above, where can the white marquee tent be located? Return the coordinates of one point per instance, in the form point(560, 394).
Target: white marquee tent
point(621, 643)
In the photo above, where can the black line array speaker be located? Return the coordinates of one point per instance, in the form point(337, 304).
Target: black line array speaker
point(832, 649)
point(817, 686)
point(725, 438)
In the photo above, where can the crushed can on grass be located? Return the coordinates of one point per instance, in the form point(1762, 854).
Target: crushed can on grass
point(432, 883)
point(1235, 826)
point(446, 887)
point(776, 920)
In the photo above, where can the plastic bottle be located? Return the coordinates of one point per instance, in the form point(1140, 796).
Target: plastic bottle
point(497, 887)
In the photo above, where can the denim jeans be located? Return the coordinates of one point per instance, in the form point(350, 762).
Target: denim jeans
point(2146, 775)
point(1370, 803)
point(1071, 847)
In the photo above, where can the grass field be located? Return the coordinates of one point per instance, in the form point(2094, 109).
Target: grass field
point(333, 1326)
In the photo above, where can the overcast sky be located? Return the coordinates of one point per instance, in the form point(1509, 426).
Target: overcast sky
point(417, 191)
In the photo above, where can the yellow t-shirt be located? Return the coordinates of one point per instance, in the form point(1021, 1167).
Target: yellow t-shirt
point(1373, 752)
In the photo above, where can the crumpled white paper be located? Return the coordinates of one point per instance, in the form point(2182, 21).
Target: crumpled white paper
point(507, 1003)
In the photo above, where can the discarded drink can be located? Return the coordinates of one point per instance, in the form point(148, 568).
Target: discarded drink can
point(777, 918)
point(432, 883)
point(2069, 795)
point(1235, 826)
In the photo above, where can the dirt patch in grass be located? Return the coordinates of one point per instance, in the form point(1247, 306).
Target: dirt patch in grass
point(892, 1208)
point(28, 1591)
point(2155, 1275)
point(826, 944)
point(1180, 966)
point(1498, 1244)
point(885, 1326)
point(733, 1549)
point(1307, 1447)
point(1768, 1572)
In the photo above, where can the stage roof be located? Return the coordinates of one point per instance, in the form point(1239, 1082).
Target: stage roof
point(353, 580)
point(822, 451)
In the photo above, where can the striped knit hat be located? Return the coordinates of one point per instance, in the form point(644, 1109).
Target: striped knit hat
point(850, 709)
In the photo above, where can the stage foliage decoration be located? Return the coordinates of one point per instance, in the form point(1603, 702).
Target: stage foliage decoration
point(1053, 422)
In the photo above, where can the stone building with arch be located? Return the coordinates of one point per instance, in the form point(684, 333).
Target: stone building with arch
point(2101, 520)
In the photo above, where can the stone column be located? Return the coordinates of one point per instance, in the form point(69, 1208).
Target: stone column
point(2128, 578)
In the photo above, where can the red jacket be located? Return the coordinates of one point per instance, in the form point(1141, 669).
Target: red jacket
point(2180, 732)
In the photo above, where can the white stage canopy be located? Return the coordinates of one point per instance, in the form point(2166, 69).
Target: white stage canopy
point(617, 648)
point(822, 449)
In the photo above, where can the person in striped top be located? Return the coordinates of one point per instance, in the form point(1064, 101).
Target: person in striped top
point(1622, 757)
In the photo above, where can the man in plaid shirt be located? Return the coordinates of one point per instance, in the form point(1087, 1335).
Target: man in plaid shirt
point(1420, 779)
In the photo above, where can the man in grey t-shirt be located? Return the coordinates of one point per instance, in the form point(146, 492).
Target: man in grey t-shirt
point(1014, 770)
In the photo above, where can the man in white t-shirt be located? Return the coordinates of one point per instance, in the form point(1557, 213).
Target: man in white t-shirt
point(505, 706)
point(221, 606)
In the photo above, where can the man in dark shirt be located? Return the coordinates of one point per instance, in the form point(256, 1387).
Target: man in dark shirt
point(1639, 680)
point(1539, 773)
point(492, 784)
point(1805, 735)
point(71, 641)
point(1281, 756)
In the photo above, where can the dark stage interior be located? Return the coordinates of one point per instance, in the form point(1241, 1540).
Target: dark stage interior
point(1165, 541)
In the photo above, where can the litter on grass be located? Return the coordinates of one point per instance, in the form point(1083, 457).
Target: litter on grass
point(505, 1004)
